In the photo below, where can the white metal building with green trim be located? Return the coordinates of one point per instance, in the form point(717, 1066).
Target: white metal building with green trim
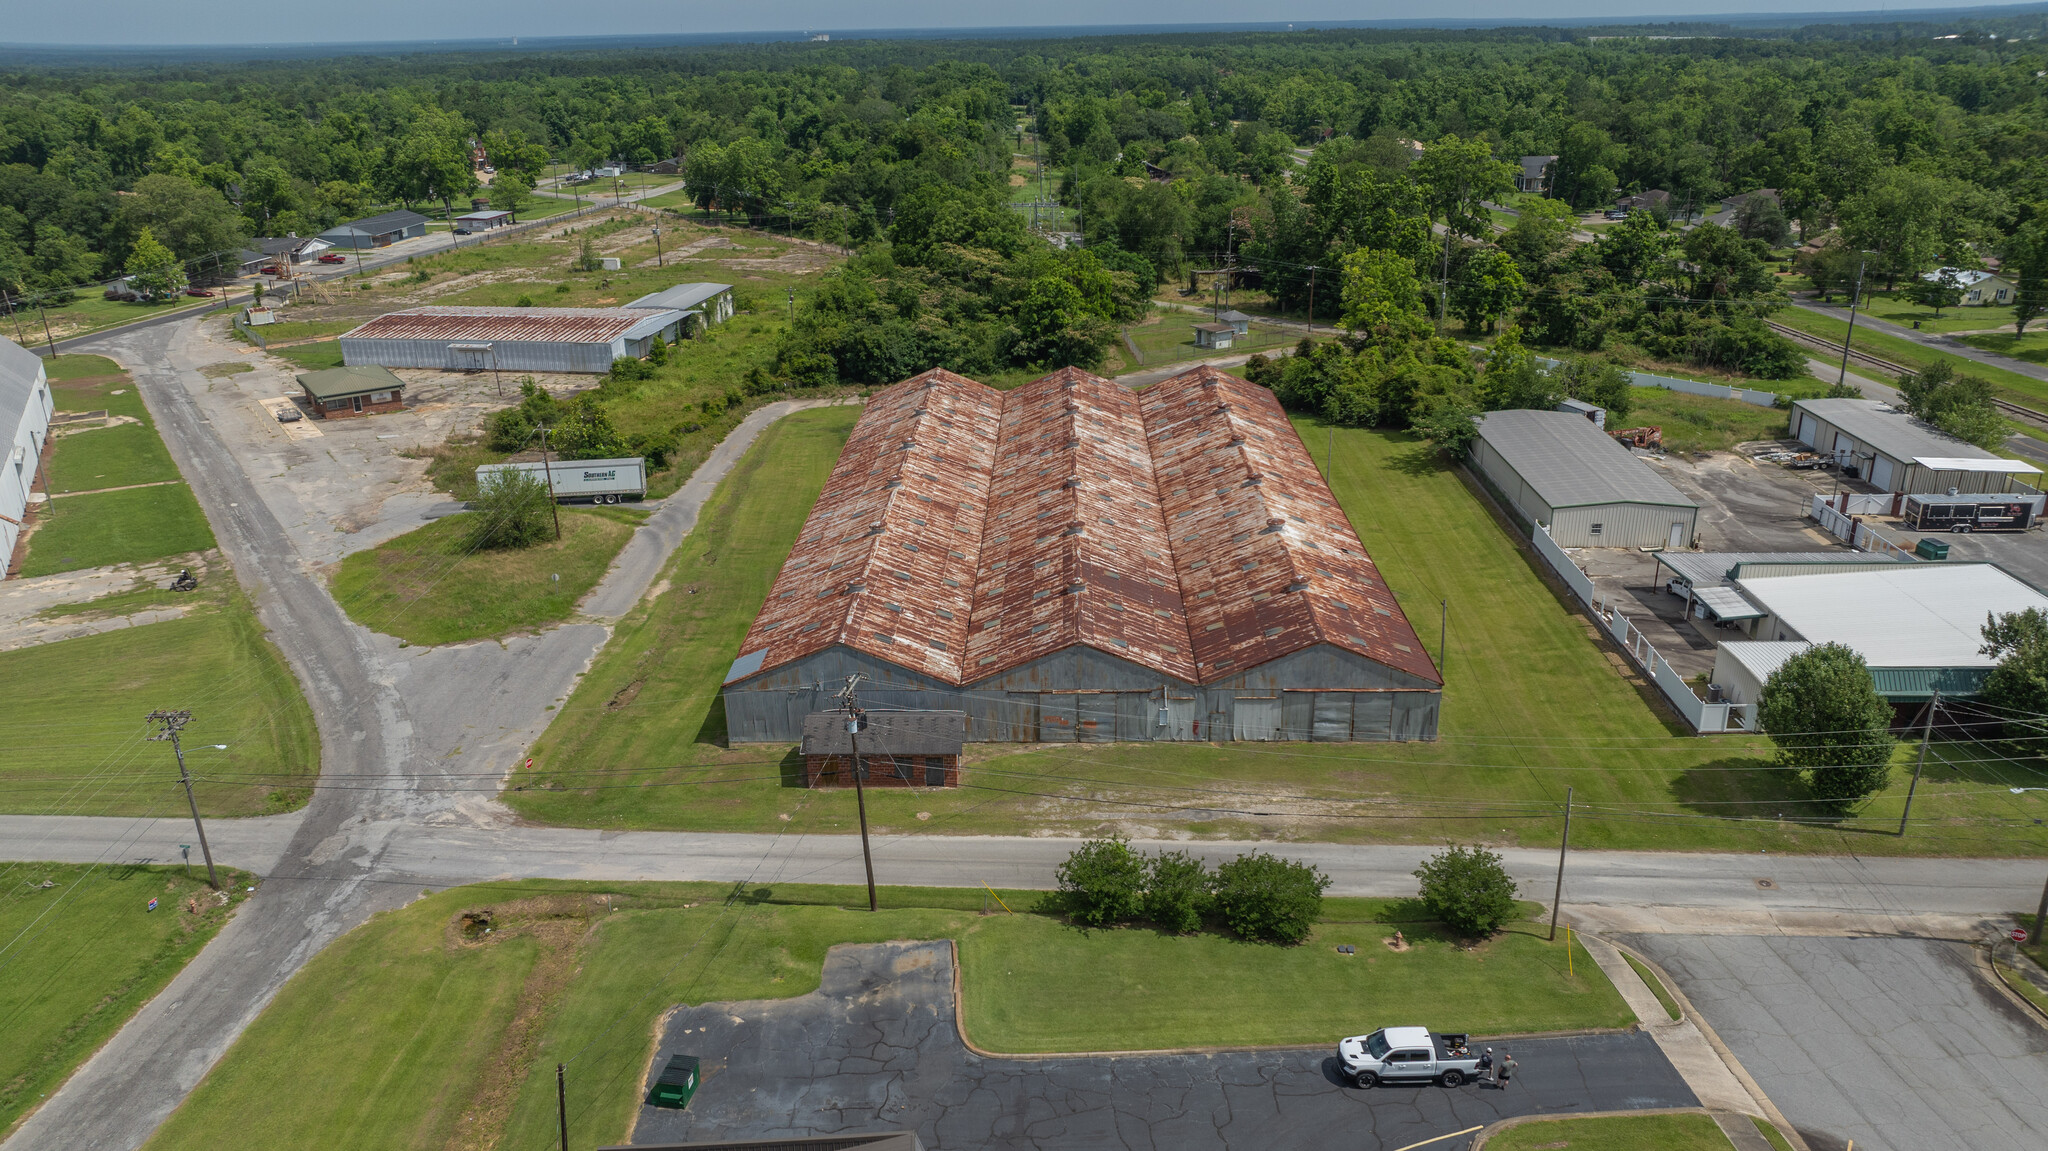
point(1557, 469)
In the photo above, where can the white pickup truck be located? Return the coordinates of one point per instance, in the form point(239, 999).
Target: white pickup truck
point(1403, 1054)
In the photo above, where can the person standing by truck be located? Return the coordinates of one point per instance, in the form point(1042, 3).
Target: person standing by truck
point(1485, 1068)
point(1505, 1072)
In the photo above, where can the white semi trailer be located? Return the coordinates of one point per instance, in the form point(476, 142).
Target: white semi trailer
point(595, 481)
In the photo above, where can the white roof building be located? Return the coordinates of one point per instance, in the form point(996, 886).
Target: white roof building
point(1918, 626)
point(25, 409)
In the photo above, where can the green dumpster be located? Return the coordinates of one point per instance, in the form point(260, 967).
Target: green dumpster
point(1930, 548)
point(677, 1083)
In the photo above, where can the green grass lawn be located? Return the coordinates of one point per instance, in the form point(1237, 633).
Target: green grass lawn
point(92, 312)
point(2033, 347)
point(1893, 306)
point(85, 460)
point(312, 357)
point(429, 586)
point(1533, 705)
point(87, 953)
point(1615, 1133)
point(1700, 423)
point(425, 1034)
point(135, 526)
point(1172, 338)
point(2012, 385)
point(79, 749)
point(139, 525)
point(303, 329)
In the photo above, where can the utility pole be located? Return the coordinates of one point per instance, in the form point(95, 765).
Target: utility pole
point(2040, 914)
point(548, 470)
point(562, 1103)
point(1443, 632)
point(1557, 899)
point(1926, 734)
point(40, 311)
point(856, 719)
point(170, 722)
point(1311, 299)
point(657, 248)
point(1842, 377)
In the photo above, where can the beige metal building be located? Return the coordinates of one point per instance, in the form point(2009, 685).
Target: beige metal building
point(1875, 442)
point(1557, 469)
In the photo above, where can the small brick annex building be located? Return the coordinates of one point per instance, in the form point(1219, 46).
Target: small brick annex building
point(338, 393)
point(898, 749)
point(1074, 561)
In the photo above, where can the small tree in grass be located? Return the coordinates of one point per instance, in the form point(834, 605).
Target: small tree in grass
point(1103, 882)
point(1822, 709)
point(1176, 891)
point(1266, 897)
point(510, 511)
point(1469, 889)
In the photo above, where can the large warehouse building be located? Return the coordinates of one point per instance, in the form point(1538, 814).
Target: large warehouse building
point(508, 339)
point(1920, 626)
point(1075, 561)
point(1873, 441)
point(1557, 469)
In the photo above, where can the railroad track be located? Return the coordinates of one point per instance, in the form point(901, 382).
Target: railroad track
point(2011, 410)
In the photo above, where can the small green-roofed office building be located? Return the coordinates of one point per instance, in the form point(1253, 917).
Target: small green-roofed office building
point(353, 391)
point(1558, 469)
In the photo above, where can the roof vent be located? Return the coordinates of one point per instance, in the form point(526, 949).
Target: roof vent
point(1236, 440)
point(1075, 529)
point(875, 529)
point(1072, 482)
point(1254, 481)
point(1298, 585)
point(1222, 409)
point(1076, 588)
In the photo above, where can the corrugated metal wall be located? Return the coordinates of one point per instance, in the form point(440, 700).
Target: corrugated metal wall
point(1080, 695)
point(1507, 483)
point(1621, 525)
point(532, 356)
point(1900, 475)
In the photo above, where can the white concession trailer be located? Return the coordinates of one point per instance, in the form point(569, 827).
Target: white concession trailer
point(595, 481)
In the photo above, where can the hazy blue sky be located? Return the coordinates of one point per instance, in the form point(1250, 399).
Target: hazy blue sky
point(297, 21)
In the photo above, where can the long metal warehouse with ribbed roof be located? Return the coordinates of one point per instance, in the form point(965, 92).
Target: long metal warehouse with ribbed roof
point(1075, 561)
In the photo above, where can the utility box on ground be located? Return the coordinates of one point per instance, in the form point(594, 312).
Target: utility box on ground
point(677, 1083)
point(1931, 549)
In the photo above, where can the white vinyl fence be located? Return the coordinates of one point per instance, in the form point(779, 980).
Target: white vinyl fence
point(1706, 718)
point(1694, 387)
point(1856, 533)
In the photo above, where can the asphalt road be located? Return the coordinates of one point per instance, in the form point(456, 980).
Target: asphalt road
point(1927, 339)
point(875, 1049)
point(1617, 890)
point(1897, 1044)
point(404, 732)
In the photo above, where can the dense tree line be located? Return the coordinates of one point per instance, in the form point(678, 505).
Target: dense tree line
point(1287, 152)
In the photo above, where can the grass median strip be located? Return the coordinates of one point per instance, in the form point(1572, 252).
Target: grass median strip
point(87, 952)
point(1656, 986)
point(428, 1027)
point(429, 586)
point(1615, 1133)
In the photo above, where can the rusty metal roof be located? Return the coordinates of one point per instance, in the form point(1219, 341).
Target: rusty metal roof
point(511, 325)
point(965, 531)
point(1268, 563)
point(886, 562)
point(1075, 548)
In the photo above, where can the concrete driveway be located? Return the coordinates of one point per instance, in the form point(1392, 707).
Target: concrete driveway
point(875, 1048)
point(1897, 1044)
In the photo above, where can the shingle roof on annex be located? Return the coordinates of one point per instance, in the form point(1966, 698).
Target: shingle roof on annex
point(966, 531)
point(1570, 463)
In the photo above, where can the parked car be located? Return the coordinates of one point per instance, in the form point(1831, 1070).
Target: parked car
point(198, 292)
point(462, 231)
point(123, 294)
point(490, 170)
point(333, 258)
point(271, 270)
point(1407, 1054)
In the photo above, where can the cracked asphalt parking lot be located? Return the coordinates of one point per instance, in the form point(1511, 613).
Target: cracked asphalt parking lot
point(875, 1049)
point(1898, 1044)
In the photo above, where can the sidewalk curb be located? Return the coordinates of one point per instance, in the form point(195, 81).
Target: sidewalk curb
point(1742, 1076)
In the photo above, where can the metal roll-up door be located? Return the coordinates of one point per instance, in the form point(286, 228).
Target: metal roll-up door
point(1807, 429)
point(1372, 715)
point(1179, 714)
point(1095, 717)
point(1881, 472)
point(1258, 717)
point(1297, 714)
point(1055, 717)
point(1136, 715)
point(1332, 723)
